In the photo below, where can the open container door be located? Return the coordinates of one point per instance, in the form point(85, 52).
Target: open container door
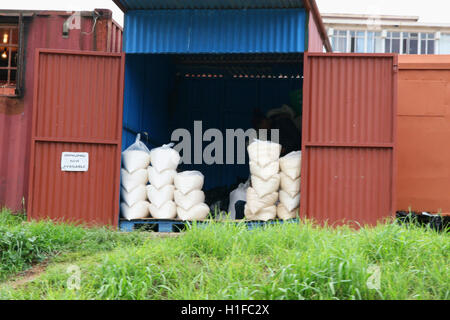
point(76, 137)
point(349, 138)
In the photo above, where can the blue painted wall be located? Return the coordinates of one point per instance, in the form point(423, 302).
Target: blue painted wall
point(215, 31)
point(148, 81)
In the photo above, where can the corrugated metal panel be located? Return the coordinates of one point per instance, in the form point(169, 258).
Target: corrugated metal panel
point(215, 31)
point(315, 43)
point(13, 138)
point(207, 4)
point(424, 134)
point(76, 114)
point(41, 31)
point(349, 136)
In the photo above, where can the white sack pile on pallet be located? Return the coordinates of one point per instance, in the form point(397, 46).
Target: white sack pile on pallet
point(134, 178)
point(290, 166)
point(161, 175)
point(262, 196)
point(189, 197)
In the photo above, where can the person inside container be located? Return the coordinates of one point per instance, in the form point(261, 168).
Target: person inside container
point(282, 119)
point(290, 136)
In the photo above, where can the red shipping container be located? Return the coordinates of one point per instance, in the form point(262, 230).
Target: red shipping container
point(41, 29)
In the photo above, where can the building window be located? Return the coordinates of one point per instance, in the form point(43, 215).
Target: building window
point(374, 42)
point(339, 41)
point(410, 44)
point(9, 59)
point(427, 41)
point(392, 42)
point(357, 41)
point(444, 44)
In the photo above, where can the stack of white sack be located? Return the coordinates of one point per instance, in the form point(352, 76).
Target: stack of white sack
point(290, 166)
point(135, 160)
point(189, 197)
point(161, 175)
point(262, 196)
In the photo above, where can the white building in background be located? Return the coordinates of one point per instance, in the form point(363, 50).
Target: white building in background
point(386, 34)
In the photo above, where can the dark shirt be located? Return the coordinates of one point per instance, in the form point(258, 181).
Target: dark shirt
point(290, 136)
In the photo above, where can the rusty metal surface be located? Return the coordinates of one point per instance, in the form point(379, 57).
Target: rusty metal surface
point(76, 114)
point(349, 125)
point(424, 134)
point(42, 30)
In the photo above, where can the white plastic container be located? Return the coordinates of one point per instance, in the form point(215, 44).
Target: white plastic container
point(238, 194)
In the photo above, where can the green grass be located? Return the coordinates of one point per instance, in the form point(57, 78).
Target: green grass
point(225, 261)
point(23, 244)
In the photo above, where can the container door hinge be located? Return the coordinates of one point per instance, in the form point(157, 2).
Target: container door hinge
point(395, 68)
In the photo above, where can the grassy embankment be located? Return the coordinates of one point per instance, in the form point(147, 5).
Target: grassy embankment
point(224, 261)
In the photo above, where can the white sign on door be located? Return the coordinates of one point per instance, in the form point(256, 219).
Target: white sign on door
point(75, 161)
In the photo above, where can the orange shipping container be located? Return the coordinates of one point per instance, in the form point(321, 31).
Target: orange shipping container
point(424, 133)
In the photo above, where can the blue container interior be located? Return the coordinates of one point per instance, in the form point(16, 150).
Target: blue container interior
point(215, 31)
point(167, 92)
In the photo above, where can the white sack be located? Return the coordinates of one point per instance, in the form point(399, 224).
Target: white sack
point(290, 203)
point(187, 201)
point(266, 172)
point(134, 196)
point(292, 187)
point(138, 211)
point(266, 214)
point(197, 212)
point(291, 164)
point(285, 214)
point(132, 180)
point(167, 211)
point(136, 156)
point(165, 158)
point(238, 194)
point(264, 152)
point(265, 187)
point(255, 203)
point(160, 179)
point(158, 197)
point(133, 160)
point(188, 181)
